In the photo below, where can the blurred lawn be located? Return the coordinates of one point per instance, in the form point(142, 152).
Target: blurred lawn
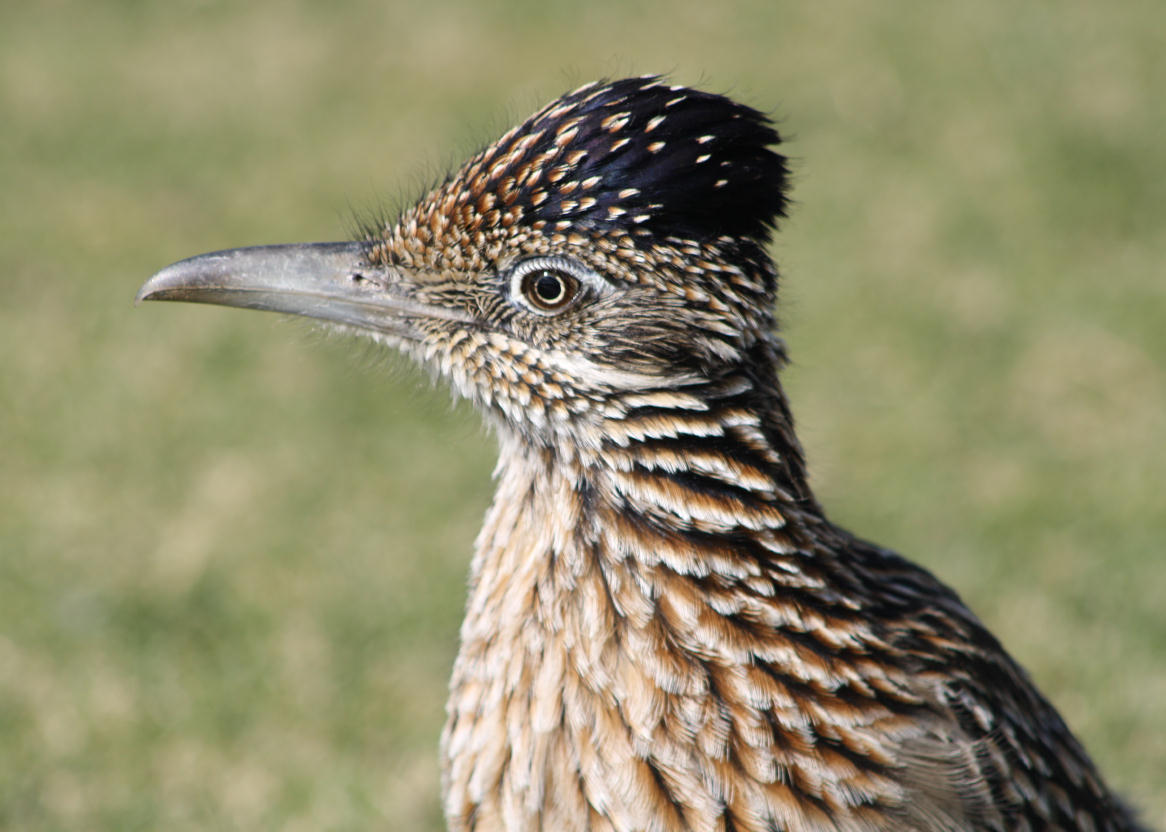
point(233, 551)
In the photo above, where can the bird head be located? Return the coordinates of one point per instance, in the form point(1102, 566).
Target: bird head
point(611, 244)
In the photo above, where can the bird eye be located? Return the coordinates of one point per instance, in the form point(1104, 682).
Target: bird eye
point(549, 290)
point(550, 285)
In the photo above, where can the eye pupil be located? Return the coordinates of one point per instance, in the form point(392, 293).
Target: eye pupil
point(549, 290)
point(549, 287)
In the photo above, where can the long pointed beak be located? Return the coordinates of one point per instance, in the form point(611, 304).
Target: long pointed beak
point(330, 281)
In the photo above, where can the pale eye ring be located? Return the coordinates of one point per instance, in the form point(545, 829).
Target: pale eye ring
point(549, 285)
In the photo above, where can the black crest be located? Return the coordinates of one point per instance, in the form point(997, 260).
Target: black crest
point(637, 154)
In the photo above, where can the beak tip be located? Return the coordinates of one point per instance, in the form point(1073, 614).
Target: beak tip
point(178, 280)
point(152, 288)
point(143, 294)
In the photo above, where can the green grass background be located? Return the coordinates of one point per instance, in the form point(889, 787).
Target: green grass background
point(233, 550)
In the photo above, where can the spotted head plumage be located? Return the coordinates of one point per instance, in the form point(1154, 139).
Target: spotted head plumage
point(659, 199)
point(663, 159)
point(635, 157)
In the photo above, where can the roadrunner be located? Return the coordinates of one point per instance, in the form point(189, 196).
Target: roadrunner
point(664, 631)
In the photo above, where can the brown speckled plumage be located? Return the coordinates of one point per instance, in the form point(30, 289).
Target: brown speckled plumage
point(664, 631)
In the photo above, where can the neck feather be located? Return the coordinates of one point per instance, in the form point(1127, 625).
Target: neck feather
point(604, 576)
